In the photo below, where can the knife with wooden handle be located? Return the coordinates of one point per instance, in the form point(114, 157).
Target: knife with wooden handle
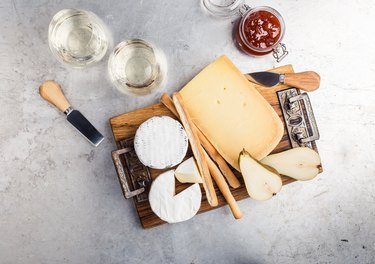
point(307, 81)
point(51, 92)
point(213, 153)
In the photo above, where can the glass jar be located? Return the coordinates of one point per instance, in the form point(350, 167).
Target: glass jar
point(136, 67)
point(258, 31)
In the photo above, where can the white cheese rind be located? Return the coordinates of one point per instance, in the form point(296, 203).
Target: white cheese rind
point(160, 142)
point(231, 113)
point(170, 207)
point(187, 172)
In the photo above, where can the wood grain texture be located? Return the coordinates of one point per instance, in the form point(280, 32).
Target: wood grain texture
point(51, 91)
point(307, 81)
point(124, 126)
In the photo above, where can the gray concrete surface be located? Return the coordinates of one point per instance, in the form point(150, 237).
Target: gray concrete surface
point(60, 200)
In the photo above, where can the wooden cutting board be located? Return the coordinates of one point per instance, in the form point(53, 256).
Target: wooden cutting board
point(124, 127)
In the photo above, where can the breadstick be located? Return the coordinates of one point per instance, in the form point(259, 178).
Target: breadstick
point(197, 149)
point(213, 153)
point(223, 186)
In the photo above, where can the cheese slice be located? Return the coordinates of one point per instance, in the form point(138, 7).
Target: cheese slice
point(231, 113)
point(170, 207)
point(187, 172)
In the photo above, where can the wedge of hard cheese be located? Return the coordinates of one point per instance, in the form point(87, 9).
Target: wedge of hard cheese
point(231, 113)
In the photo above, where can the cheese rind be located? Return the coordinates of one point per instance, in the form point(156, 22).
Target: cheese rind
point(160, 142)
point(231, 113)
point(170, 207)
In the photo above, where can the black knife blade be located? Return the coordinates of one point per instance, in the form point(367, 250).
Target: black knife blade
point(268, 79)
point(84, 127)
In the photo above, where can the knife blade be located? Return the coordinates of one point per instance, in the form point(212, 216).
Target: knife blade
point(267, 79)
point(51, 92)
point(308, 81)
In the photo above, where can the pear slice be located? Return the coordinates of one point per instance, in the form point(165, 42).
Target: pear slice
point(298, 163)
point(261, 182)
point(188, 172)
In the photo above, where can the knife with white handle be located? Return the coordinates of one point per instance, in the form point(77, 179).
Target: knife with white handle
point(307, 81)
point(51, 92)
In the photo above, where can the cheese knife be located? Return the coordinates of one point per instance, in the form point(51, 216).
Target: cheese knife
point(51, 92)
point(307, 81)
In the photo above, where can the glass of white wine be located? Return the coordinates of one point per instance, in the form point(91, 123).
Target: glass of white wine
point(136, 67)
point(77, 37)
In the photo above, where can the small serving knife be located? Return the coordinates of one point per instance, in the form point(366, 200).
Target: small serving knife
point(308, 81)
point(51, 92)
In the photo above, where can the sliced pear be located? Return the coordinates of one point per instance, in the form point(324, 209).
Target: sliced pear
point(298, 163)
point(188, 172)
point(261, 182)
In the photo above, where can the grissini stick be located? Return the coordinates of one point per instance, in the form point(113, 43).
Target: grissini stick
point(224, 188)
point(223, 165)
point(213, 153)
point(197, 149)
point(214, 171)
point(167, 101)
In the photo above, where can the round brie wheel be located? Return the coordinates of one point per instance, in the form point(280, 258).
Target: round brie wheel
point(170, 207)
point(160, 142)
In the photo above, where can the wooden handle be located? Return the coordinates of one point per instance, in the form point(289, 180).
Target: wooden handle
point(308, 81)
point(223, 186)
point(213, 153)
point(197, 149)
point(51, 92)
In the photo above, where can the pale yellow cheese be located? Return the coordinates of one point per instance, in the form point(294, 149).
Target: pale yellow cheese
point(231, 113)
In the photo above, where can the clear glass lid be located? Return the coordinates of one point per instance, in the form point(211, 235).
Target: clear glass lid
point(223, 8)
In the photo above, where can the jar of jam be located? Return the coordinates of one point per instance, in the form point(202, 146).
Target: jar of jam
point(258, 31)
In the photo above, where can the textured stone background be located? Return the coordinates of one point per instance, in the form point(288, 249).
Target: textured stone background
point(60, 200)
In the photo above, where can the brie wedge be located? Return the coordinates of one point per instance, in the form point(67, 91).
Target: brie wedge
point(170, 207)
point(188, 172)
point(160, 142)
